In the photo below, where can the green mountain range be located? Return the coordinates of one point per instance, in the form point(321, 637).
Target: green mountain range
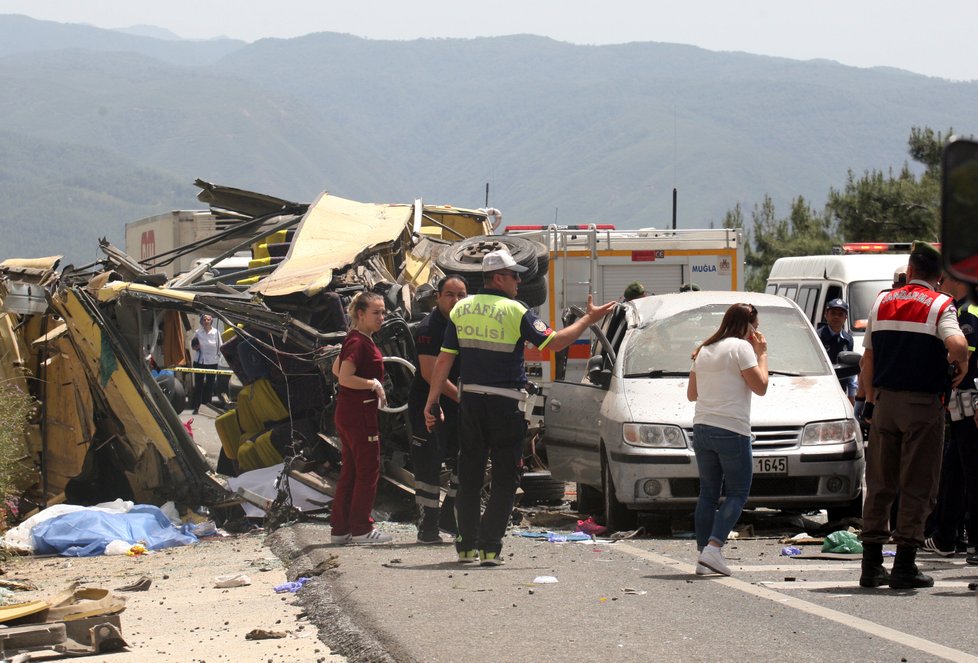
point(101, 127)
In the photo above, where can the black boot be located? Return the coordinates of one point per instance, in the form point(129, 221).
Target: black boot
point(428, 526)
point(874, 573)
point(905, 573)
point(446, 519)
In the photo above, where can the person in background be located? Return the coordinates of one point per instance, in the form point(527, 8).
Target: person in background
point(429, 449)
point(488, 332)
point(689, 287)
point(634, 290)
point(206, 345)
point(957, 496)
point(899, 277)
point(912, 340)
point(835, 338)
point(728, 368)
point(359, 369)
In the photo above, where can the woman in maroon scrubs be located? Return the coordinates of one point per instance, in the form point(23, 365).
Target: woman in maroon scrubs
point(360, 372)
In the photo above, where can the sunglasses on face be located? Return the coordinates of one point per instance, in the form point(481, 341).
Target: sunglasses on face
point(511, 274)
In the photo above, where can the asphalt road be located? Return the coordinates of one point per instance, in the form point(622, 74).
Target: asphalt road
point(633, 600)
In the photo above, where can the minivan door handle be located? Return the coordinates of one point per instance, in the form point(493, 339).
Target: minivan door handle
point(554, 405)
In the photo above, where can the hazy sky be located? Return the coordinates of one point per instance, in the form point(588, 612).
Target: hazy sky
point(936, 38)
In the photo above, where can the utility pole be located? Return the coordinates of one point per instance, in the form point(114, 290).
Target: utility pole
point(675, 195)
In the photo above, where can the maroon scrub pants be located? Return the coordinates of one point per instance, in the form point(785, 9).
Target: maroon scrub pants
point(356, 423)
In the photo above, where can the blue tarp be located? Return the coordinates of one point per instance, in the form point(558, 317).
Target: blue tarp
point(86, 533)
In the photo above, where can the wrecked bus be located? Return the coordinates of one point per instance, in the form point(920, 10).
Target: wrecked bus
point(105, 426)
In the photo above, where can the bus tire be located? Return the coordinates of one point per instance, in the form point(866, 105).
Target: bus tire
point(465, 256)
point(533, 293)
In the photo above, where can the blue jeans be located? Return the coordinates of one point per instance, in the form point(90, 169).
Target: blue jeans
point(724, 459)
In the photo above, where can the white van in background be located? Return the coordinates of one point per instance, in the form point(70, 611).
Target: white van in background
point(857, 274)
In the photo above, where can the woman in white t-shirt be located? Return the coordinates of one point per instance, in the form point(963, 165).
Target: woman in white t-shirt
point(727, 369)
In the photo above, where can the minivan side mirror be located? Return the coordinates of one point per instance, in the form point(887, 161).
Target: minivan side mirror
point(847, 364)
point(596, 374)
point(601, 377)
point(959, 209)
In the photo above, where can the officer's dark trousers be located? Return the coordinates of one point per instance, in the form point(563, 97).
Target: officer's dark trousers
point(906, 441)
point(491, 427)
point(428, 451)
point(959, 486)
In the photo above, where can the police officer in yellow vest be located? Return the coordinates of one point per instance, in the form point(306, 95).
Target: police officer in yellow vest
point(488, 331)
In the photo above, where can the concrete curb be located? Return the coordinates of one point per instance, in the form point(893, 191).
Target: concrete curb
point(329, 600)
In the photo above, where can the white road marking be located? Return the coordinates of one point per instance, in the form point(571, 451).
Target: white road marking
point(796, 566)
point(807, 584)
point(864, 625)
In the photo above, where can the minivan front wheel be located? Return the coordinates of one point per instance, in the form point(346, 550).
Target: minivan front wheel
point(617, 517)
point(852, 509)
point(589, 499)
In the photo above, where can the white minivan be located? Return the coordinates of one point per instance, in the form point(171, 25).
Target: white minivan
point(624, 433)
point(812, 281)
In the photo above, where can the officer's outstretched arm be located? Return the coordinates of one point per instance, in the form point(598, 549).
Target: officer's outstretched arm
point(568, 335)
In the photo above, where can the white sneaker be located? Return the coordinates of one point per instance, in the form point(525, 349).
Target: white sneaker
point(373, 536)
point(930, 545)
point(340, 539)
point(702, 570)
point(712, 558)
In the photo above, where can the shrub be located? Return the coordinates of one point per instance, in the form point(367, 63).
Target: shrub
point(16, 411)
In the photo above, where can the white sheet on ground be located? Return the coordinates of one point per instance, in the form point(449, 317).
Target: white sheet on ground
point(262, 482)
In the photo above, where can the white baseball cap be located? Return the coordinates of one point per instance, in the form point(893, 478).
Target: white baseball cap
point(500, 259)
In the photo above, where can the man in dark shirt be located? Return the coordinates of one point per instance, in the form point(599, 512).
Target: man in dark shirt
point(429, 450)
point(836, 338)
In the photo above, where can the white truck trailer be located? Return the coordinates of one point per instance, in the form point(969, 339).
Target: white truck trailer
point(601, 261)
point(157, 234)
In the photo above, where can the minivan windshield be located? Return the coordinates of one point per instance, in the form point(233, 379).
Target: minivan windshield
point(665, 346)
